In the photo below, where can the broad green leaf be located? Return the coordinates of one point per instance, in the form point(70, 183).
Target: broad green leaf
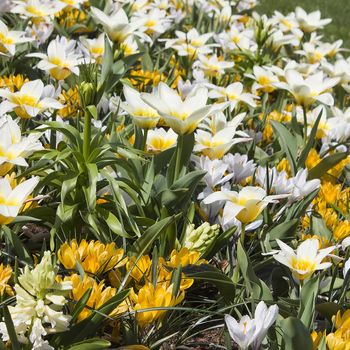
point(285, 229)
point(308, 297)
point(257, 287)
point(144, 243)
point(295, 335)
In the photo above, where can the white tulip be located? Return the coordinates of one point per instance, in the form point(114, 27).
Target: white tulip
point(305, 260)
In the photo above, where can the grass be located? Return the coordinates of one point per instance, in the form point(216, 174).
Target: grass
point(338, 10)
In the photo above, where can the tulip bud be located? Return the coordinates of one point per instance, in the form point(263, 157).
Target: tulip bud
point(87, 93)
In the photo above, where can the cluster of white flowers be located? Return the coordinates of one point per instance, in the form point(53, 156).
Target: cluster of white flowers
point(39, 303)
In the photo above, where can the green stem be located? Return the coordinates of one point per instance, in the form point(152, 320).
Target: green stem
point(87, 135)
point(180, 144)
point(305, 123)
point(235, 277)
point(144, 139)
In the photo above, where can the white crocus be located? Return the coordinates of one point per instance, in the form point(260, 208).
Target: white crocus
point(10, 38)
point(305, 260)
point(241, 332)
point(239, 166)
point(309, 22)
point(143, 115)
point(13, 147)
point(117, 24)
point(245, 205)
point(12, 199)
point(252, 331)
point(30, 100)
point(307, 91)
point(159, 140)
point(301, 186)
point(234, 94)
point(61, 59)
point(182, 116)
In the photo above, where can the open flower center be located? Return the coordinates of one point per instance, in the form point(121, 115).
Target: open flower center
point(303, 264)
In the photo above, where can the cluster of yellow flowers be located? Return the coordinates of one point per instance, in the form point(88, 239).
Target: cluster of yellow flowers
point(98, 259)
point(340, 338)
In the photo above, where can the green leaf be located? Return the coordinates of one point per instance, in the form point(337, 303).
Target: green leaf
point(79, 307)
point(295, 334)
point(107, 62)
point(326, 164)
point(90, 344)
point(285, 229)
point(210, 274)
point(310, 143)
point(181, 190)
point(308, 297)
point(90, 189)
point(11, 329)
point(144, 243)
point(17, 245)
point(257, 287)
point(288, 143)
point(319, 227)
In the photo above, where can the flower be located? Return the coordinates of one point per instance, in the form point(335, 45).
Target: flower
point(305, 260)
point(212, 66)
point(13, 147)
point(10, 38)
point(307, 91)
point(245, 205)
point(150, 296)
point(116, 24)
point(95, 47)
point(39, 304)
point(309, 22)
point(100, 294)
point(159, 140)
point(61, 59)
point(234, 94)
point(94, 256)
point(37, 8)
point(249, 331)
point(339, 340)
point(185, 257)
point(264, 79)
point(32, 99)
point(11, 200)
point(5, 275)
point(143, 115)
point(182, 116)
point(190, 44)
point(217, 144)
